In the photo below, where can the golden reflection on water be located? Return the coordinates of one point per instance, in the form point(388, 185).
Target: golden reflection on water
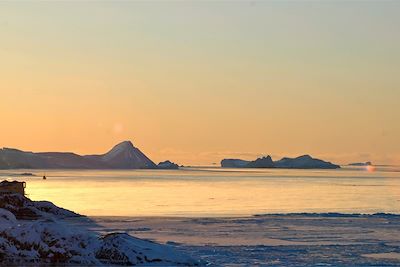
point(216, 192)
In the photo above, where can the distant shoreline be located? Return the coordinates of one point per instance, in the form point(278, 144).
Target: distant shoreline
point(233, 216)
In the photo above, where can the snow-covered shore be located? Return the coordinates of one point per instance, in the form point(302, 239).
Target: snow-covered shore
point(40, 233)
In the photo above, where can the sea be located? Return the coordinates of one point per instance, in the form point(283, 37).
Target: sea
point(215, 192)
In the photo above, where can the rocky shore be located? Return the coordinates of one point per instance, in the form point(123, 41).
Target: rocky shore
point(37, 233)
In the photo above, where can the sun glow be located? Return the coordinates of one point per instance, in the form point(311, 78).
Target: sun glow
point(370, 168)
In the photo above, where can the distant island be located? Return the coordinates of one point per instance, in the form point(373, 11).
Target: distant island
point(167, 165)
point(126, 156)
point(302, 162)
point(122, 156)
point(368, 163)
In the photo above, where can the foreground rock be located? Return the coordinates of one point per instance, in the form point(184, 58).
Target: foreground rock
point(23, 208)
point(302, 162)
point(167, 165)
point(33, 232)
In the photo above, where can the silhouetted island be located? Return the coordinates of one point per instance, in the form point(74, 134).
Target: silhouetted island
point(368, 163)
point(122, 156)
point(167, 165)
point(302, 162)
point(234, 163)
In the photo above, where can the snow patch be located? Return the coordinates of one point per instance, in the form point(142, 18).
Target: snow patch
point(44, 237)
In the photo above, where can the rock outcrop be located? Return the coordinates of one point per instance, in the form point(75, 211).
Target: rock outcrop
point(167, 165)
point(25, 209)
point(264, 162)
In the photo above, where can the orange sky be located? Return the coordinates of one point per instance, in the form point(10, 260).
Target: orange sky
point(197, 82)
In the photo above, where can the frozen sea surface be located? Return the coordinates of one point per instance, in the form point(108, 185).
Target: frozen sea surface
point(275, 240)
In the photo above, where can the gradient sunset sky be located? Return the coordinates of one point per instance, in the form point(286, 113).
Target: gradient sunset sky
point(195, 82)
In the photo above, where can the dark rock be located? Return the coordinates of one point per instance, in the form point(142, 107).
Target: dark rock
point(368, 163)
point(304, 162)
point(264, 162)
point(234, 163)
point(25, 209)
point(167, 165)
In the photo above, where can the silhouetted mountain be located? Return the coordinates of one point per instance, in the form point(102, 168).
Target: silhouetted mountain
point(302, 162)
point(122, 156)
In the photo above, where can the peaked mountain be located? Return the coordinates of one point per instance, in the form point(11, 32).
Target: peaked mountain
point(124, 156)
point(121, 156)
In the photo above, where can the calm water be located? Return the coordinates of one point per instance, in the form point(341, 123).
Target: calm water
point(216, 192)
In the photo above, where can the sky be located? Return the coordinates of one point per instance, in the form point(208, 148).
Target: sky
point(196, 82)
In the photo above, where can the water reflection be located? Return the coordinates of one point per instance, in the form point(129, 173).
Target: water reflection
point(215, 192)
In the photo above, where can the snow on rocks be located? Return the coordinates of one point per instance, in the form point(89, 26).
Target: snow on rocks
point(34, 232)
point(127, 250)
point(23, 208)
